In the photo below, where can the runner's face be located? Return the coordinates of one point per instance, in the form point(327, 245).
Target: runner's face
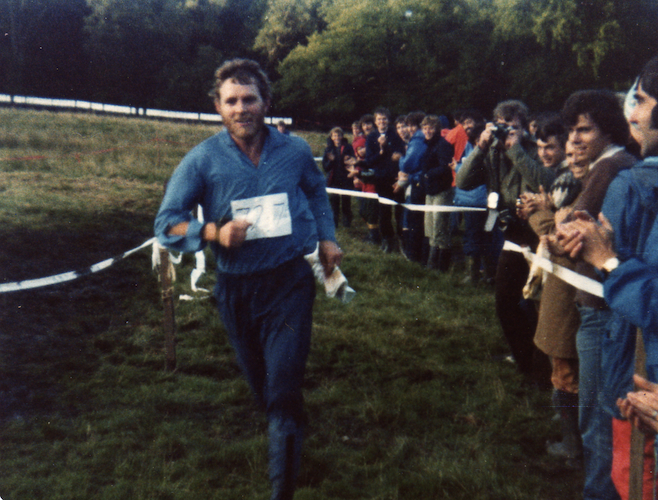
point(242, 110)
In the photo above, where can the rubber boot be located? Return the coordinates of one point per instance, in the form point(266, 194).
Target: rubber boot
point(389, 245)
point(571, 447)
point(475, 264)
point(445, 256)
point(490, 265)
point(374, 236)
point(405, 244)
point(473, 268)
point(425, 251)
point(433, 258)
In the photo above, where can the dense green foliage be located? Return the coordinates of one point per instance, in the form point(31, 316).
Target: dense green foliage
point(406, 393)
point(439, 55)
point(332, 59)
point(150, 53)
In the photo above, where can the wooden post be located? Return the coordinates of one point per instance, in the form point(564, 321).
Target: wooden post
point(637, 437)
point(169, 321)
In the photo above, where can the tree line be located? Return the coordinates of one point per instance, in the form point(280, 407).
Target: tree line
point(330, 60)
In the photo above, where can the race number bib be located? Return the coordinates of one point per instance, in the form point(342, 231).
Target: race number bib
point(269, 215)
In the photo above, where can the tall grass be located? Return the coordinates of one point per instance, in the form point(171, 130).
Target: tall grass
point(405, 392)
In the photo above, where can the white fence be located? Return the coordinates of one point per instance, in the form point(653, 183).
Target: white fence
point(97, 107)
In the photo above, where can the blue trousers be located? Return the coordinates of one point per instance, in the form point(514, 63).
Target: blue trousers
point(476, 241)
point(413, 222)
point(268, 316)
point(594, 422)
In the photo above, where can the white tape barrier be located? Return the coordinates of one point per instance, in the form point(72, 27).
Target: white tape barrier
point(409, 206)
point(199, 260)
point(577, 280)
point(71, 275)
point(581, 282)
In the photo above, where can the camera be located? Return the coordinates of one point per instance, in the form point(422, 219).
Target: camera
point(500, 131)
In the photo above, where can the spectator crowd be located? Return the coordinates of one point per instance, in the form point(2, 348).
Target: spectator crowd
point(578, 186)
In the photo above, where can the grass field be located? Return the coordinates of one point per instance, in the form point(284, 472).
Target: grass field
point(406, 395)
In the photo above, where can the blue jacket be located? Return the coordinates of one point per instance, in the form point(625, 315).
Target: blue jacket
point(216, 173)
point(410, 163)
point(631, 290)
point(476, 197)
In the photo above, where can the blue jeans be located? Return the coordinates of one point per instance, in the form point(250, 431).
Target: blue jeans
point(268, 317)
point(594, 422)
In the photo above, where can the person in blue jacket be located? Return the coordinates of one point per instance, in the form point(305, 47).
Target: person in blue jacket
point(409, 182)
point(477, 243)
point(623, 245)
point(266, 205)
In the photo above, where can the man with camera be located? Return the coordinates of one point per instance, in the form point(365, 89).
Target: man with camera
point(505, 160)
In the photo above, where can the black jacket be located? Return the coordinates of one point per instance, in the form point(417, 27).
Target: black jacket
point(437, 174)
point(335, 169)
point(384, 168)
